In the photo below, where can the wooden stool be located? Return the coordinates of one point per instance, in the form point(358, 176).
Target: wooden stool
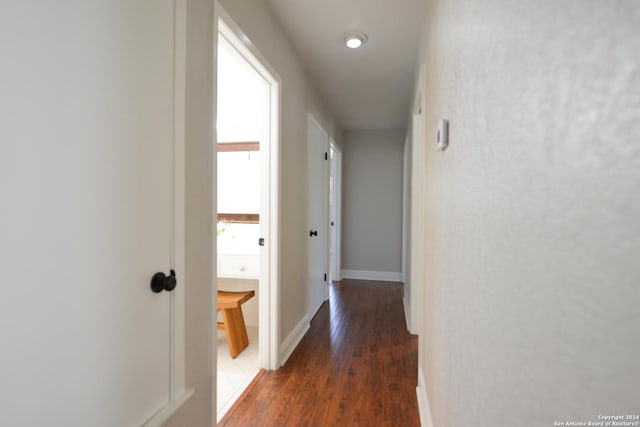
point(233, 322)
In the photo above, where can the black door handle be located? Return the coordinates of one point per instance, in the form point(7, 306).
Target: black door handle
point(161, 282)
point(313, 233)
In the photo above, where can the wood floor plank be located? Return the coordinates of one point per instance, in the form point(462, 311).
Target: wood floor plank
point(356, 366)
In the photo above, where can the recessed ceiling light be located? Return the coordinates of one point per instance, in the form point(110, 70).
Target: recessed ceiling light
point(355, 39)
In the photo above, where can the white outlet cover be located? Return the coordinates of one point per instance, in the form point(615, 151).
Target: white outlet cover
point(442, 139)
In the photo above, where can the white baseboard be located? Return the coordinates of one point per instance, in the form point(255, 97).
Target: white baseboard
point(423, 401)
point(383, 276)
point(293, 339)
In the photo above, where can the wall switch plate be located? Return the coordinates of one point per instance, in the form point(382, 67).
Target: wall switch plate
point(442, 140)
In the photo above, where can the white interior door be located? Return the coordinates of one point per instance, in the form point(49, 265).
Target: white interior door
point(335, 220)
point(86, 178)
point(318, 145)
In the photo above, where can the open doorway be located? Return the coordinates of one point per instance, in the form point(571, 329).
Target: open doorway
point(247, 206)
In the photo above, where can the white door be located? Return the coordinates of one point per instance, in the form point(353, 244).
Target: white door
point(86, 176)
point(318, 145)
point(335, 190)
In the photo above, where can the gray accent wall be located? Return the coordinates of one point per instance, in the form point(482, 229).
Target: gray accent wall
point(372, 201)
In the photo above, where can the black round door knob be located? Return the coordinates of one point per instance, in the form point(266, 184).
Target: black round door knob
point(161, 282)
point(313, 233)
point(170, 282)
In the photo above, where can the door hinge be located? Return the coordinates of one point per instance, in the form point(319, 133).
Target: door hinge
point(325, 277)
point(326, 156)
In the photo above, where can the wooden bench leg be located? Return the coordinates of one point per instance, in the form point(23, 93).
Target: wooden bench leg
point(236, 330)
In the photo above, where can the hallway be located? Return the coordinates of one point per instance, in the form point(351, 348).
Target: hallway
point(357, 365)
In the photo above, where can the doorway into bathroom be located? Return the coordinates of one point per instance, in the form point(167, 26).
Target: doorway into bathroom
point(247, 203)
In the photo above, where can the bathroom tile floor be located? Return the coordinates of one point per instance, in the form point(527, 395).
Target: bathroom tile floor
point(234, 375)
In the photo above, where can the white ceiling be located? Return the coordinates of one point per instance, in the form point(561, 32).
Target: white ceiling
point(369, 87)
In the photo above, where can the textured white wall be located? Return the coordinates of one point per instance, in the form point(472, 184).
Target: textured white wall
point(298, 98)
point(372, 201)
point(531, 307)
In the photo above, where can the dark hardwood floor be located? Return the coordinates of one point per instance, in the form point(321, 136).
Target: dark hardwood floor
point(357, 366)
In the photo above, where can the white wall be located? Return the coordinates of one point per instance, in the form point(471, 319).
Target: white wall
point(298, 99)
point(532, 213)
point(372, 203)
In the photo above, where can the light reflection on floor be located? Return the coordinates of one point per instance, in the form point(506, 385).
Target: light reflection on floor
point(336, 317)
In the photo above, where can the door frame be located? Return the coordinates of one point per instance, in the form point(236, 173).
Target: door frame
point(178, 393)
point(268, 311)
point(418, 174)
point(406, 228)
